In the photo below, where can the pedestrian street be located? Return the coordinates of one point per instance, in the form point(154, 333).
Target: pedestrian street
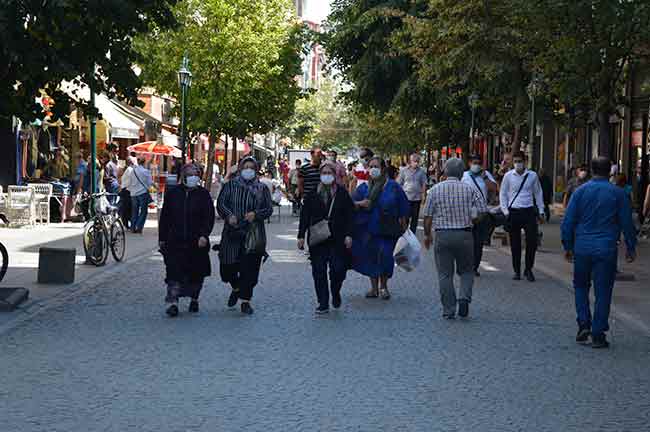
point(109, 359)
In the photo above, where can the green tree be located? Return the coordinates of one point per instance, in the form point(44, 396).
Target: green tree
point(589, 44)
point(89, 42)
point(243, 55)
point(369, 41)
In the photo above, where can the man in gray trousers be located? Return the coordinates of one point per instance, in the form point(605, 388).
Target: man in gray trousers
point(451, 208)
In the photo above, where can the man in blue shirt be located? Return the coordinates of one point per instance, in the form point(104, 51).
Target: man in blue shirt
point(597, 214)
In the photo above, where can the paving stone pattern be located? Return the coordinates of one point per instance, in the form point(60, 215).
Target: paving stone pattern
point(110, 360)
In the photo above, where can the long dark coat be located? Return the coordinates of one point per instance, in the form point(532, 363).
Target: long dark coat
point(187, 215)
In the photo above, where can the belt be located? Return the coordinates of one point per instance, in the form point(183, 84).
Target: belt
point(468, 229)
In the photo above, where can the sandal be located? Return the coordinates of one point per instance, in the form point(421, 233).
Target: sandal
point(372, 294)
point(385, 295)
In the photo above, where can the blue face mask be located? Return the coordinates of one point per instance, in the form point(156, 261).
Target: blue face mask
point(248, 174)
point(192, 181)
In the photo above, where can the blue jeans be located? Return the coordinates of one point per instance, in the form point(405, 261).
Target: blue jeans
point(602, 270)
point(322, 257)
point(139, 209)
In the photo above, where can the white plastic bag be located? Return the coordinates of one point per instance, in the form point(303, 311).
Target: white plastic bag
point(407, 252)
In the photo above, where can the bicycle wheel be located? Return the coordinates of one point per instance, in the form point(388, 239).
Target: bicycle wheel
point(4, 261)
point(95, 243)
point(118, 240)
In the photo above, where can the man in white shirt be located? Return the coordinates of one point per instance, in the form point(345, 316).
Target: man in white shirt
point(137, 179)
point(484, 183)
point(522, 203)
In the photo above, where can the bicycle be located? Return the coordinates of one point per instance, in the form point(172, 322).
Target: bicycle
point(4, 255)
point(104, 230)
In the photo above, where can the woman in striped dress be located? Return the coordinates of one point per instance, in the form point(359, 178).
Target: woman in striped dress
point(244, 204)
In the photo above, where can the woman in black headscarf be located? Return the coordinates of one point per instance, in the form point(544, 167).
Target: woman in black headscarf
point(244, 204)
point(184, 229)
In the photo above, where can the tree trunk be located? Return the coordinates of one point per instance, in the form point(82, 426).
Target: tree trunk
point(604, 138)
point(234, 151)
point(520, 107)
point(226, 165)
point(211, 153)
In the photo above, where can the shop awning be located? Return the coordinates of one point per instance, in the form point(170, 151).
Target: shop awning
point(123, 124)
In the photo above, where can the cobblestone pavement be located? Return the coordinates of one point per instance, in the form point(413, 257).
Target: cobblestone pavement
point(109, 359)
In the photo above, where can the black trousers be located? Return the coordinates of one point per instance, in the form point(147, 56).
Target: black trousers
point(479, 233)
point(523, 219)
point(414, 215)
point(323, 257)
point(243, 276)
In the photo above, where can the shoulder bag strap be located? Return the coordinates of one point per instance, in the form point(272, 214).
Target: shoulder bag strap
point(136, 176)
point(478, 187)
point(521, 186)
point(329, 214)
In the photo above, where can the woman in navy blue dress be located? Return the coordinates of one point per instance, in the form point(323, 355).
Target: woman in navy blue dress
point(380, 221)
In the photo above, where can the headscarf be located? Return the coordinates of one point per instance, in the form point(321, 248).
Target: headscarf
point(376, 186)
point(326, 193)
point(254, 185)
point(189, 169)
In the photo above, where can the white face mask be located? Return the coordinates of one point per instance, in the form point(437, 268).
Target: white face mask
point(248, 174)
point(475, 168)
point(519, 166)
point(375, 172)
point(327, 179)
point(582, 174)
point(192, 181)
point(331, 158)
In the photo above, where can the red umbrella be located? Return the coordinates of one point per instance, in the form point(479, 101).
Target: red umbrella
point(155, 148)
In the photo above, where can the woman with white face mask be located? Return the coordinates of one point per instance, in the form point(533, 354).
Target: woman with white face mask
point(381, 220)
point(331, 203)
point(244, 204)
point(184, 229)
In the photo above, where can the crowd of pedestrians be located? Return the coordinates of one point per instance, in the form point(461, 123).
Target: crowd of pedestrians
point(351, 218)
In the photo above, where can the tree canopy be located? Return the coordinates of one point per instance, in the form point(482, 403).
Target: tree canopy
point(90, 42)
point(421, 59)
point(244, 57)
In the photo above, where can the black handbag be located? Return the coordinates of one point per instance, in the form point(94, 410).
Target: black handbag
point(255, 241)
point(389, 225)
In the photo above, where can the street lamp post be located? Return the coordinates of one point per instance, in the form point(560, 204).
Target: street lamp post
point(533, 91)
point(473, 101)
point(185, 82)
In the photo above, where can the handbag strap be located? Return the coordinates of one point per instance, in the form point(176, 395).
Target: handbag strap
point(521, 186)
point(478, 187)
point(136, 176)
point(329, 213)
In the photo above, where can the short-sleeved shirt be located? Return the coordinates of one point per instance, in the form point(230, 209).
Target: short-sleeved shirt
point(311, 177)
point(453, 204)
point(413, 182)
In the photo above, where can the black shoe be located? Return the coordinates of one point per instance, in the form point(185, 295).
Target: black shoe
point(477, 273)
point(449, 316)
point(599, 341)
point(336, 300)
point(246, 308)
point(194, 306)
point(463, 308)
point(233, 299)
point(583, 335)
point(172, 311)
point(530, 277)
point(321, 310)
point(517, 276)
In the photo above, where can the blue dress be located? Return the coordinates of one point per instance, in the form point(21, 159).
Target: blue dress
point(373, 254)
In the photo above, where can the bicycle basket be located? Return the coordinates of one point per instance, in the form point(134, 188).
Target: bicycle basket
point(102, 205)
